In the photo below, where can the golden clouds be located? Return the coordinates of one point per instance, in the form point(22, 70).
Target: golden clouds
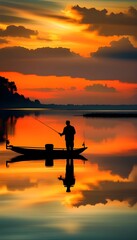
point(80, 29)
point(46, 38)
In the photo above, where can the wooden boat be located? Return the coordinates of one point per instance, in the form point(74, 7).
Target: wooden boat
point(47, 152)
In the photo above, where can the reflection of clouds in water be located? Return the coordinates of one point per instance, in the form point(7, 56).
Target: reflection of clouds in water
point(133, 174)
point(110, 123)
point(99, 123)
point(117, 164)
point(7, 197)
point(100, 129)
point(99, 136)
point(122, 165)
point(121, 138)
point(17, 183)
point(111, 128)
point(109, 190)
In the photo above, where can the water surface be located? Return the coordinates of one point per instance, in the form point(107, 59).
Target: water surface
point(102, 203)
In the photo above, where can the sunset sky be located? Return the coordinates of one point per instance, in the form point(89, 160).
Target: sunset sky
point(82, 52)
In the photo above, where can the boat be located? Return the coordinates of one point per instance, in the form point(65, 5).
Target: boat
point(47, 152)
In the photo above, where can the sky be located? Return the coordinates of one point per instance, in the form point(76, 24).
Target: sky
point(64, 52)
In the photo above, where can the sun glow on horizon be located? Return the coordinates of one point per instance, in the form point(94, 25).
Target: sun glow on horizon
point(53, 89)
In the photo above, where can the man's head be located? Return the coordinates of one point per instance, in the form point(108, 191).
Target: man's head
point(67, 122)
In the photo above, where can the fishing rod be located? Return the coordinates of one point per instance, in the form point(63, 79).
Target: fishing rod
point(46, 125)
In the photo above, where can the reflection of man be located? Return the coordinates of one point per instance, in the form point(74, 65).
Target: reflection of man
point(69, 132)
point(69, 180)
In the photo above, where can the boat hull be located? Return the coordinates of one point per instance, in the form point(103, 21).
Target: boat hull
point(44, 153)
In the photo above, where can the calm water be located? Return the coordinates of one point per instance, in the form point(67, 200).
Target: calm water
point(102, 203)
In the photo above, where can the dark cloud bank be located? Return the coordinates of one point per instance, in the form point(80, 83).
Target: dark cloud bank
point(108, 24)
point(99, 88)
point(17, 31)
point(109, 190)
point(118, 61)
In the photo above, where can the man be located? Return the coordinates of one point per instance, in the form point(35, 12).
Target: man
point(69, 132)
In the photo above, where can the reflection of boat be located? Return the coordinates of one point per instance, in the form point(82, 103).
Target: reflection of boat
point(47, 152)
point(49, 162)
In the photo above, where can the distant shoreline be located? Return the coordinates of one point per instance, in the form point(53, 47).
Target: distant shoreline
point(111, 114)
point(96, 111)
point(70, 107)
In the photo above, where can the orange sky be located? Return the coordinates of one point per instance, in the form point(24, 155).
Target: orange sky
point(83, 28)
point(54, 89)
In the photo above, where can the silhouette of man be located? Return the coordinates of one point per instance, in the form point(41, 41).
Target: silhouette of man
point(69, 132)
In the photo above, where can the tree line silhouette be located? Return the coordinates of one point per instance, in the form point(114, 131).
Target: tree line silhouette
point(9, 96)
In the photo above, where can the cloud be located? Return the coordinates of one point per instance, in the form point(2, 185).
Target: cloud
point(2, 41)
point(11, 10)
point(36, 5)
point(108, 24)
point(8, 19)
point(108, 190)
point(44, 39)
point(122, 49)
point(17, 31)
point(93, 16)
point(37, 54)
point(20, 185)
point(121, 165)
point(45, 89)
point(58, 89)
point(100, 88)
point(62, 62)
point(9, 15)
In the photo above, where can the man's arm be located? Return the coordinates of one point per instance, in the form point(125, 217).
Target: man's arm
point(63, 133)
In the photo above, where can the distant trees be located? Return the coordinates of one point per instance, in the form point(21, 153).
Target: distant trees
point(10, 98)
point(12, 87)
point(7, 89)
point(37, 101)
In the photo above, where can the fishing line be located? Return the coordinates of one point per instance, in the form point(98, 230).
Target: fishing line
point(46, 125)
